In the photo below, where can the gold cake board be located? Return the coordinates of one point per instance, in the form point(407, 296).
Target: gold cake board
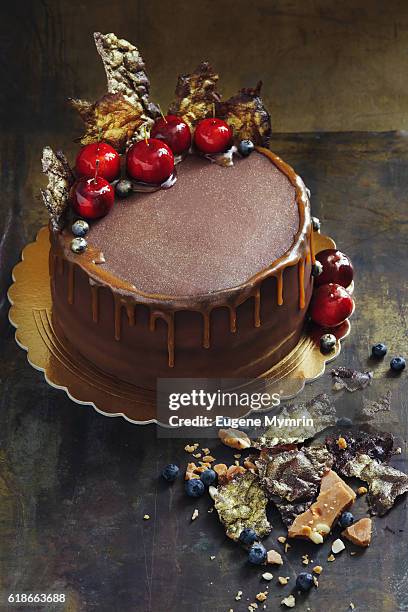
point(64, 368)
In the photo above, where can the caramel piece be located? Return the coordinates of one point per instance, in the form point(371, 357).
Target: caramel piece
point(330, 479)
point(359, 533)
point(319, 518)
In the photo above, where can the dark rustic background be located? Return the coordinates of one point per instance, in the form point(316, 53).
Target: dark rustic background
point(74, 485)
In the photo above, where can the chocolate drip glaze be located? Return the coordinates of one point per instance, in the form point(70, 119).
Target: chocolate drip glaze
point(127, 295)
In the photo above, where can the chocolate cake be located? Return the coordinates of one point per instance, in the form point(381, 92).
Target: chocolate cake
point(205, 268)
point(210, 278)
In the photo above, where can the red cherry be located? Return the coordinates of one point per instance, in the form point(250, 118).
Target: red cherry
point(337, 268)
point(109, 161)
point(212, 135)
point(174, 132)
point(150, 161)
point(92, 198)
point(331, 305)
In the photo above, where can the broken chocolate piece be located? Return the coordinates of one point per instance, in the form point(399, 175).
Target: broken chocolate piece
point(360, 532)
point(334, 497)
point(351, 380)
point(241, 503)
point(247, 115)
point(196, 95)
point(376, 446)
point(293, 475)
point(111, 119)
point(320, 411)
point(60, 180)
point(385, 483)
point(376, 414)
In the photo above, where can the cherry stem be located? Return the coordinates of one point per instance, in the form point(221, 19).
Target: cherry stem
point(96, 169)
point(145, 134)
point(161, 112)
point(213, 109)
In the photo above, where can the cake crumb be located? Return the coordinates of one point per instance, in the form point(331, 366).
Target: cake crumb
point(146, 517)
point(238, 596)
point(362, 490)
point(282, 539)
point(194, 515)
point(317, 569)
point(283, 580)
point(351, 606)
point(287, 546)
point(206, 451)
point(289, 601)
point(262, 596)
point(190, 448)
point(196, 455)
point(315, 581)
point(212, 557)
point(331, 558)
point(341, 443)
point(274, 558)
point(237, 456)
point(305, 559)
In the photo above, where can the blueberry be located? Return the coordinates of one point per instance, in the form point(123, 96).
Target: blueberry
point(194, 487)
point(317, 269)
point(344, 422)
point(246, 147)
point(170, 472)
point(248, 536)
point(78, 245)
point(123, 188)
point(397, 364)
point(80, 228)
point(327, 343)
point(304, 581)
point(315, 224)
point(208, 477)
point(378, 350)
point(346, 520)
point(257, 554)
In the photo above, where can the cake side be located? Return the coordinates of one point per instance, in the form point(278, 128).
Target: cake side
point(238, 331)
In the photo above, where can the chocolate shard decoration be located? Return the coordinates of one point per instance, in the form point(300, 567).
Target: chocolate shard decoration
point(112, 119)
point(294, 475)
point(351, 380)
point(376, 414)
point(126, 73)
point(320, 410)
point(290, 510)
point(60, 180)
point(375, 446)
point(385, 483)
point(196, 95)
point(242, 503)
point(247, 115)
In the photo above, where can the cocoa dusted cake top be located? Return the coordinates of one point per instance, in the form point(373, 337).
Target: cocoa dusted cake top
point(213, 230)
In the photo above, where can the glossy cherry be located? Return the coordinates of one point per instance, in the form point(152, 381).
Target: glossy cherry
point(331, 305)
point(108, 157)
point(337, 268)
point(150, 161)
point(174, 132)
point(212, 135)
point(92, 198)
